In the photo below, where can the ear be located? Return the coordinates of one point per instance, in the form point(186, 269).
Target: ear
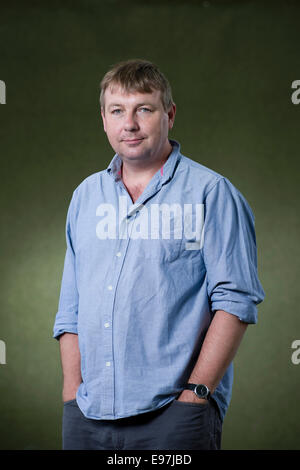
point(171, 115)
point(103, 119)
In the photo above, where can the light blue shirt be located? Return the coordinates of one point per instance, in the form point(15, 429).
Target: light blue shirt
point(142, 281)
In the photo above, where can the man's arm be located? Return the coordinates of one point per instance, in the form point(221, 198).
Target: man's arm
point(230, 257)
point(218, 350)
point(70, 361)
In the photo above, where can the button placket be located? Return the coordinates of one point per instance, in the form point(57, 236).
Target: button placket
point(108, 393)
point(125, 230)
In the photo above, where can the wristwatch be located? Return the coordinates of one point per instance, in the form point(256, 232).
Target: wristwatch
point(201, 390)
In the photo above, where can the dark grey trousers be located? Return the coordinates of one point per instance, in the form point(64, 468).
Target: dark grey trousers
point(178, 425)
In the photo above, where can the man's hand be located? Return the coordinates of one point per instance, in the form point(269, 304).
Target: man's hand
point(190, 397)
point(69, 392)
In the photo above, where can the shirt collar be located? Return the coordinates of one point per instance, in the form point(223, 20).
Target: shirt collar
point(165, 172)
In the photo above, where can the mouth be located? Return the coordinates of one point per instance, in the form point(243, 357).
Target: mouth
point(133, 141)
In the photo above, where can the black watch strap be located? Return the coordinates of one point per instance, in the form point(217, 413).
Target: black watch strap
point(201, 390)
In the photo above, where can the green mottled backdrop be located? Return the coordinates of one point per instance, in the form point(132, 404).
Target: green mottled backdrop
point(231, 65)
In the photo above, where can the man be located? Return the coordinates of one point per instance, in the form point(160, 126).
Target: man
point(159, 284)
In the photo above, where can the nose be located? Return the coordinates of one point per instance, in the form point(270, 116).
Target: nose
point(131, 123)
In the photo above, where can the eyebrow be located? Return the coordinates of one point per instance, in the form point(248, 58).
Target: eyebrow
point(112, 105)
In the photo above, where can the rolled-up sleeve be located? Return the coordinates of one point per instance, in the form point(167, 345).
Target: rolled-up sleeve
point(230, 253)
point(67, 314)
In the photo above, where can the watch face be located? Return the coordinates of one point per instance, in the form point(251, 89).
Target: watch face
point(201, 391)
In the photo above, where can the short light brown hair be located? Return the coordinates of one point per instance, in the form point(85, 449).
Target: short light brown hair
point(137, 75)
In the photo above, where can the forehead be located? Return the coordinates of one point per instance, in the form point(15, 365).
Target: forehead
point(115, 94)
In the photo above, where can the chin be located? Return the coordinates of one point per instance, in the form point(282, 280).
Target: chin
point(134, 154)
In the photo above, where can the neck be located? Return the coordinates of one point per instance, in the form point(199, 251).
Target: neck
point(139, 173)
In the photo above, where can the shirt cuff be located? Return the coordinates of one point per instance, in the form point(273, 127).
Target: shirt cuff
point(247, 312)
point(58, 330)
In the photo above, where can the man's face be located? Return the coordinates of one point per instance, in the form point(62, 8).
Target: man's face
point(136, 124)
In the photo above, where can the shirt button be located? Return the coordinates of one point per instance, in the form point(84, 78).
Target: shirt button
point(107, 364)
point(106, 325)
point(118, 254)
point(110, 287)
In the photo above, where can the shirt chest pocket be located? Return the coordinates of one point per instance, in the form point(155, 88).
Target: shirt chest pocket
point(166, 238)
point(152, 241)
point(160, 250)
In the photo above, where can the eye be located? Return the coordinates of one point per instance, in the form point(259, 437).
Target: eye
point(144, 110)
point(116, 111)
